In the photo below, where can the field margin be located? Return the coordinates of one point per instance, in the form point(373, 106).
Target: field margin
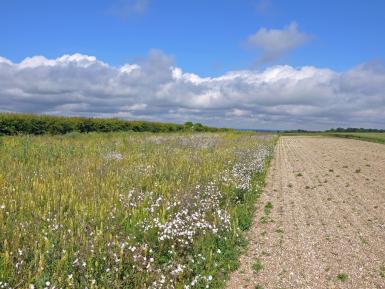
point(245, 216)
point(358, 137)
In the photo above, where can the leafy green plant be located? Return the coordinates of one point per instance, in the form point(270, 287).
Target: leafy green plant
point(342, 277)
point(257, 266)
point(268, 208)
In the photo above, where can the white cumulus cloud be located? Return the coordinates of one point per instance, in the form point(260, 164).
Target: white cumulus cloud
point(276, 42)
point(154, 88)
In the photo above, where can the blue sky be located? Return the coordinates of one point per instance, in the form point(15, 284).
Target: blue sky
point(252, 63)
point(205, 37)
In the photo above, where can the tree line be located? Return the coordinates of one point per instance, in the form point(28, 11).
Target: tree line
point(334, 130)
point(15, 124)
point(355, 129)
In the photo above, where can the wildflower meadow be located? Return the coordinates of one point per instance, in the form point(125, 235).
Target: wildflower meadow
point(127, 210)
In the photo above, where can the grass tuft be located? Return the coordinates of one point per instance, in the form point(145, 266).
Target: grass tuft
point(257, 266)
point(342, 277)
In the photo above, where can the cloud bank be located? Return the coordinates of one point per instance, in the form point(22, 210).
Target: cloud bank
point(276, 42)
point(280, 97)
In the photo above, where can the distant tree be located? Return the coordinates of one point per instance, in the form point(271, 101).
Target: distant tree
point(199, 127)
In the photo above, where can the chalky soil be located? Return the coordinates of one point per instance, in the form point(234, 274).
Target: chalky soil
point(326, 227)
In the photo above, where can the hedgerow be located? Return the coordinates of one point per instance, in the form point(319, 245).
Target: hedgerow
point(15, 124)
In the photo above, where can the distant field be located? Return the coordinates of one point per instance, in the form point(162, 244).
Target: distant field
point(126, 210)
point(367, 136)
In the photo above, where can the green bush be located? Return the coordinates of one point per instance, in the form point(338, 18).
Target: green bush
point(14, 124)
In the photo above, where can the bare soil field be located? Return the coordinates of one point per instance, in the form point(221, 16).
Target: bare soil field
point(320, 222)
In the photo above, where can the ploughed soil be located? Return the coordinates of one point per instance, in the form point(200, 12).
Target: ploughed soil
point(325, 227)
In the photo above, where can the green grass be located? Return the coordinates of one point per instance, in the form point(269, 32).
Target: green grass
point(342, 277)
point(378, 137)
point(127, 210)
point(365, 136)
point(263, 220)
point(268, 208)
point(257, 266)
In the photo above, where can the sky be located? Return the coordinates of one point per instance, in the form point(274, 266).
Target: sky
point(259, 64)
